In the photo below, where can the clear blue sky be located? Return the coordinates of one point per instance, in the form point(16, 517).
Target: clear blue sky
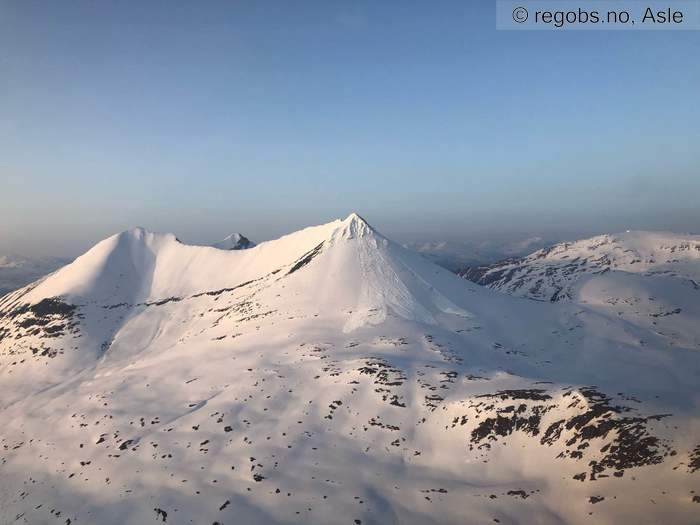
point(207, 117)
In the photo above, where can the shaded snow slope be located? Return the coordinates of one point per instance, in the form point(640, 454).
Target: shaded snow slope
point(332, 376)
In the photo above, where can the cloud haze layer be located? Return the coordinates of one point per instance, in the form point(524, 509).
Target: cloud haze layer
point(263, 117)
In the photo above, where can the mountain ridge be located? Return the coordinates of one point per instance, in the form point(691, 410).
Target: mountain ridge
point(153, 381)
point(549, 273)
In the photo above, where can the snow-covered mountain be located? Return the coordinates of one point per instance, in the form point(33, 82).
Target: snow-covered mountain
point(17, 271)
point(235, 241)
point(330, 376)
point(650, 279)
point(552, 274)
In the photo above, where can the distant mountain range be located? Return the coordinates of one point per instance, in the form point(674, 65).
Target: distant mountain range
point(649, 279)
point(555, 273)
point(333, 376)
point(455, 255)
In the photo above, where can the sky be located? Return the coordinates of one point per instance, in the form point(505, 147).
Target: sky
point(204, 118)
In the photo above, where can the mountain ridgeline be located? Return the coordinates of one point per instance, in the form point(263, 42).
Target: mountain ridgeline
point(552, 274)
point(333, 376)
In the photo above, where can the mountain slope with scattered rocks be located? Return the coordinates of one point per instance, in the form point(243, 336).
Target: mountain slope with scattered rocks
point(330, 376)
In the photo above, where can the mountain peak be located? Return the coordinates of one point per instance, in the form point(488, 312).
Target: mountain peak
point(235, 241)
point(355, 217)
point(338, 316)
point(139, 233)
point(353, 227)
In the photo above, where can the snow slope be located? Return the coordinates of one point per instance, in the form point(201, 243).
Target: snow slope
point(330, 376)
point(551, 274)
point(17, 271)
point(649, 279)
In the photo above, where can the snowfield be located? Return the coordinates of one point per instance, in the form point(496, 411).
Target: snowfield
point(332, 376)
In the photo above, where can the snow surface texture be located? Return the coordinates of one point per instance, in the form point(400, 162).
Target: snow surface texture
point(331, 376)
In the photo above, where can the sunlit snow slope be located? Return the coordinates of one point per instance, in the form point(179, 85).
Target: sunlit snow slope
point(552, 274)
point(648, 279)
point(17, 271)
point(330, 376)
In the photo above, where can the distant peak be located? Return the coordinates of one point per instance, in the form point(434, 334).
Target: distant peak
point(235, 241)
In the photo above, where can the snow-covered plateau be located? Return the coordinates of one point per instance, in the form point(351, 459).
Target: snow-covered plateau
point(333, 376)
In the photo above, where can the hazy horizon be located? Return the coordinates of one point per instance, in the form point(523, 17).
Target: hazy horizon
point(69, 245)
point(204, 119)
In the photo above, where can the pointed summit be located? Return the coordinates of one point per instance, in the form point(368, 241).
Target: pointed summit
point(355, 217)
point(235, 241)
point(353, 227)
